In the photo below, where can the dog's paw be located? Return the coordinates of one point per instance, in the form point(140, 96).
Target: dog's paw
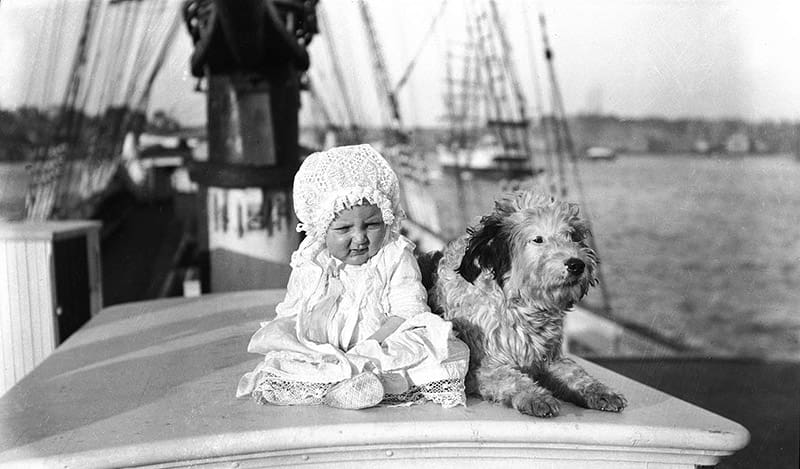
point(538, 405)
point(599, 397)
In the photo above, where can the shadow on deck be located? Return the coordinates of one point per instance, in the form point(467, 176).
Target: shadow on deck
point(762, 396)
point(139, 242)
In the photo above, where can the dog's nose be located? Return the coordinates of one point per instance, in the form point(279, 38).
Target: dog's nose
point(574, 266)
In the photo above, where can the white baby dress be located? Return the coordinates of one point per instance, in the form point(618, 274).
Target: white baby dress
point(305, 356)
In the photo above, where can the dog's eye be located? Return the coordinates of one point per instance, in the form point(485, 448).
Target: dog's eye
point(536, 240)
point(575, 236)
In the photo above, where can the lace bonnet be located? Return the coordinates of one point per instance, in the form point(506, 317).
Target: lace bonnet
point(339, 178)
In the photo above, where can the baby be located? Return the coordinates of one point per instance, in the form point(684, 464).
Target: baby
point(354, 328)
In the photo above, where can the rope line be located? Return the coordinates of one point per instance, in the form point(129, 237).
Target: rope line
point(119, 53)
point(338, 73)
point(413, 63)
point(570, 150)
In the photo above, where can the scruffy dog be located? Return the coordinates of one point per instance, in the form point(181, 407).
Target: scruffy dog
point(506, 286)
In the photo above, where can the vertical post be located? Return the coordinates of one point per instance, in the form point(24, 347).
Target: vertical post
point(252, 249)
point(251, 54)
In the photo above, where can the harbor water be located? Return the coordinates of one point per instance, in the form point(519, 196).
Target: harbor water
point(703, 250)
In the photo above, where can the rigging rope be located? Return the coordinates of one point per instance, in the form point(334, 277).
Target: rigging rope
point(140, 49)
point(337, 69)
point(79, 62)
point(56, 24)
point(555, 116)
point(413, 63)
point(317, 101)
point(104, 56)
point(570, 149)
point(48, 158)
point(493, 104)
point(548, 155)
point(37, 55)
point(379, 68)
point(472, 85)
point(510, 70)
point(143, 102)
point(116, 65)
point(99, 35)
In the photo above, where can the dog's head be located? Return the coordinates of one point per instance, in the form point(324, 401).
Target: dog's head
point(536, 247)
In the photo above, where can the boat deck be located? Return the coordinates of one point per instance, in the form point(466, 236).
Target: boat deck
point(759, 395)
point(151, 384)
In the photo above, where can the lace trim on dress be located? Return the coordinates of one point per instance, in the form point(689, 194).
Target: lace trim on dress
point(271, 389)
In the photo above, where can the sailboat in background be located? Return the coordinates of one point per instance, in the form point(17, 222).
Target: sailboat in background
point(490, 131)
point(491, 142)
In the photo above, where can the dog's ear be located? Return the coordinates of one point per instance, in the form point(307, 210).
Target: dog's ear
point(581, 233)
point(488, 248)
point(580, 226)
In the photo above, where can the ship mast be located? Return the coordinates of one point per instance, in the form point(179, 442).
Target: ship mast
point(564, 144)
point(385, 89)
point(349, 120)
point(252, 54)
point(521, 124)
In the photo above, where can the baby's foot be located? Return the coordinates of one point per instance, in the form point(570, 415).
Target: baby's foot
point(394, 383)
point(359, 392)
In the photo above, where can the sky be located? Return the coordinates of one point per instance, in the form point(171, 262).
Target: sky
point(630, 58)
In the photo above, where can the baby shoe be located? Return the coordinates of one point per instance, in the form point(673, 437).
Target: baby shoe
point(394, 383)
point(359, 392)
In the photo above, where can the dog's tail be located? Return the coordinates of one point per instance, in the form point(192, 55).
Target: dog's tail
point(429, 265)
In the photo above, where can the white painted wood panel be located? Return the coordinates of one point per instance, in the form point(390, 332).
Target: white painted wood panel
point(28, 320)
point(25, 311)
point(26, 307)
point(35, 255)
point(6, 351)
point(15, 309)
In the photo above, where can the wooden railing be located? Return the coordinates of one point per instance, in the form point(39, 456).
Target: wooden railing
point(152, 384)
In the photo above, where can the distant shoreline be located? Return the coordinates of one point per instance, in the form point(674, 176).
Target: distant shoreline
point(13, 186)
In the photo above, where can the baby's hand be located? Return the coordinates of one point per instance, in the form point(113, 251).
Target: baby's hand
point(387, 328)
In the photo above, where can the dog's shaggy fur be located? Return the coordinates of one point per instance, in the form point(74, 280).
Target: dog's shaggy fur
point(506, 286)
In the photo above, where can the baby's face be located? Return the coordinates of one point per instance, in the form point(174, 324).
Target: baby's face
point(356, 234)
